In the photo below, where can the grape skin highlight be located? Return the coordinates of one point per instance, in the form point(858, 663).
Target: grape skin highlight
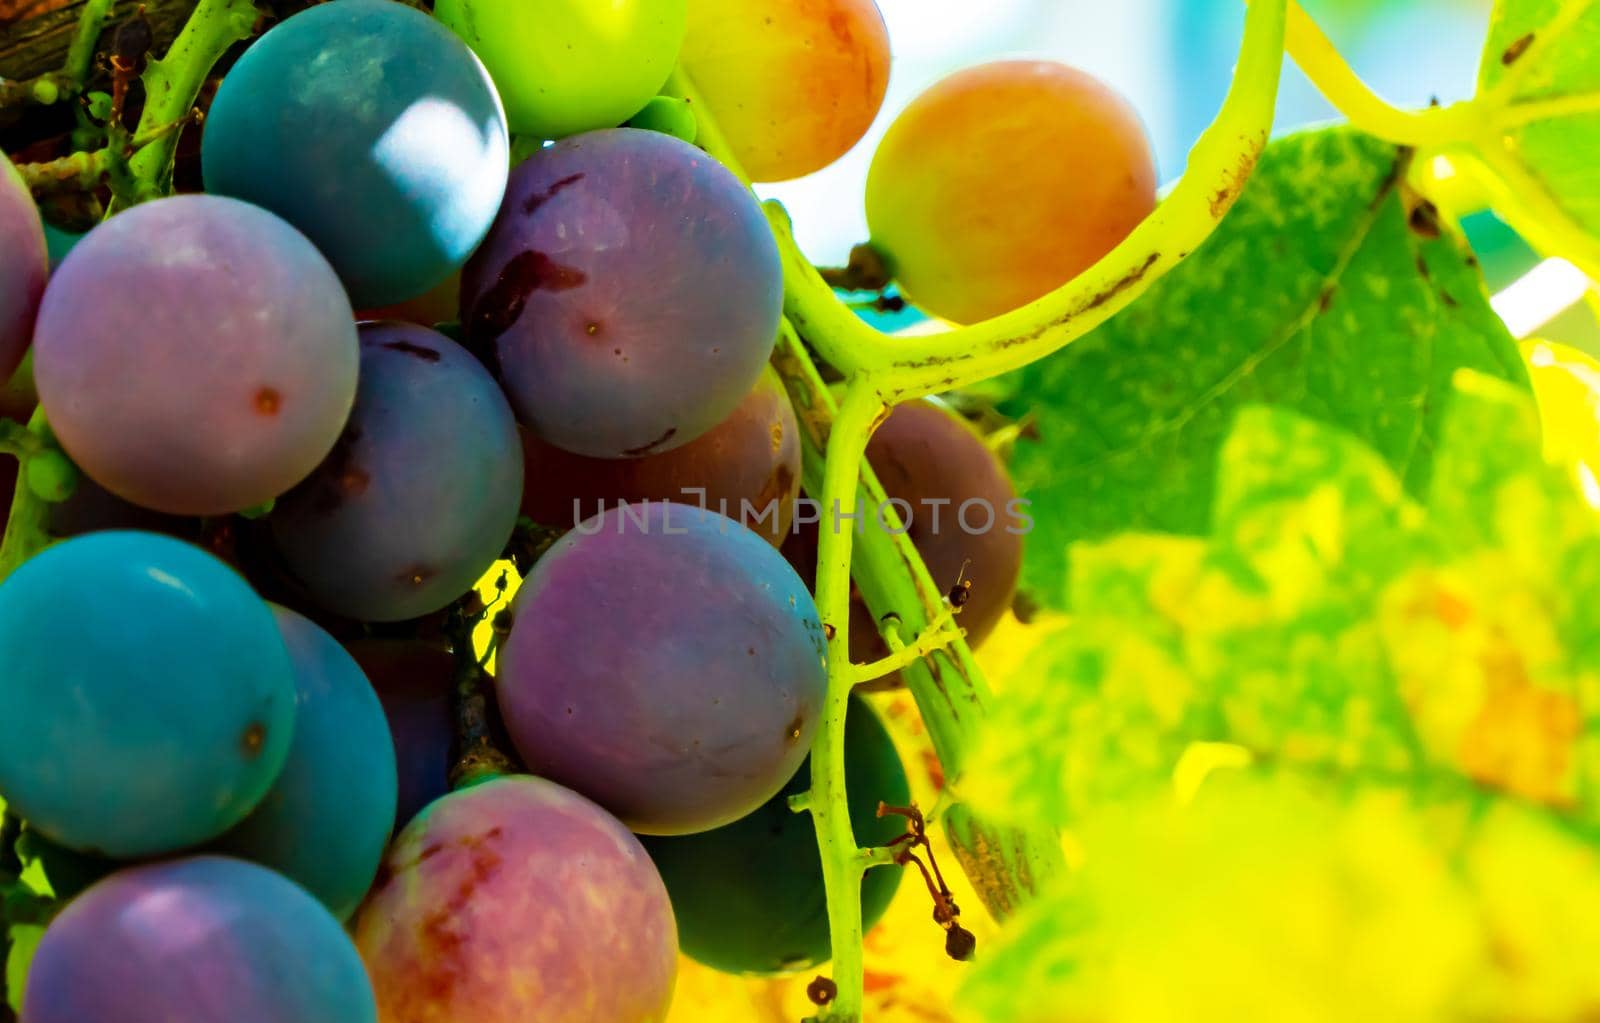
point(518, 900)
point(326, 820)
point(202, 375)
point(1003, 182)
point(669, 665)
point(628, 294)
point(24, 262)
point(419, 496)
point(753, 457)
point(371, 128)
point(147, 701)
point(794, 84)
point(202, 940)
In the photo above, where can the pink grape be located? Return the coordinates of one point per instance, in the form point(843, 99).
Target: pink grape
point(196, 355)
point(24, 261)
point(518, 900)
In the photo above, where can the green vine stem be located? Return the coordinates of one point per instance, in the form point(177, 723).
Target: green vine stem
point(1472, 134)
point(949, 687)
point(172, 84)
point(25, 533)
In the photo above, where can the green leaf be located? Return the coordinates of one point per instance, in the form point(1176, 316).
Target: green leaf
point(1539, 104)
point(1273, 898)
point(1327, 291)
point(1331, 623)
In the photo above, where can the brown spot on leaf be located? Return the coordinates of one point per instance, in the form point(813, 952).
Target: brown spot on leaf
point(1515, 51)
point(1424, 220)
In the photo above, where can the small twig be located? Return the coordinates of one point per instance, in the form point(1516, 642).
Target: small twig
point(75, 172)
point(936, 636)
point(44, 90)
point(476, 754)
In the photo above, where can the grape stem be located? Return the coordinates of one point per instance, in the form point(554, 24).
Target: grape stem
point(172, 84)
point(936, 636)
point(1471, 134)
point(477, 756)
point(25, 533)
point(1006, 865)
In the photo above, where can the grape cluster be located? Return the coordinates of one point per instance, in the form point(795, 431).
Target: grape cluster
point(455, 282)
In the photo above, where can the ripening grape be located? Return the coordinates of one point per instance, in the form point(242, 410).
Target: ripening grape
point(420, 494)
point(749, 896)
point(569, 66)
point(414, 680)
point(667, 663)
point(517, 900)
point(748, 467)
point(629, 293)
point(793, 83)
point(206, 939)
point(24, 262)
point(202, 375)
point(147, 702)
point(371, 128)
point(326, 820)
point(1003, 182)
point(964, 520)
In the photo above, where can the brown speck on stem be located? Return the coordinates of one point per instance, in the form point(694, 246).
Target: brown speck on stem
point(828, 631)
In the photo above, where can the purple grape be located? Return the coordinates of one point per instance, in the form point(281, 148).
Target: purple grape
point(421, 492)
point(516, 901)
point(413, 679)
point(629, 292)
point(203, 940)
point(24, 262)
point(196, 355)
point(666, 662)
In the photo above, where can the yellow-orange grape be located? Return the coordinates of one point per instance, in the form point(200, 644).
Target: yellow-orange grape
point(793, 83)
point(1003, 182)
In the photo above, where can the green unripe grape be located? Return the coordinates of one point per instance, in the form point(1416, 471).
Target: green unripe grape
point(569, 66)
point(669, 116)
point(51, 476)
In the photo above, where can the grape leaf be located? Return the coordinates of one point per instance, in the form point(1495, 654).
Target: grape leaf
point(1331, 623)
point(1412, 687)
point(1538, 106)
point(1270, 898)
point(1329, 289)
